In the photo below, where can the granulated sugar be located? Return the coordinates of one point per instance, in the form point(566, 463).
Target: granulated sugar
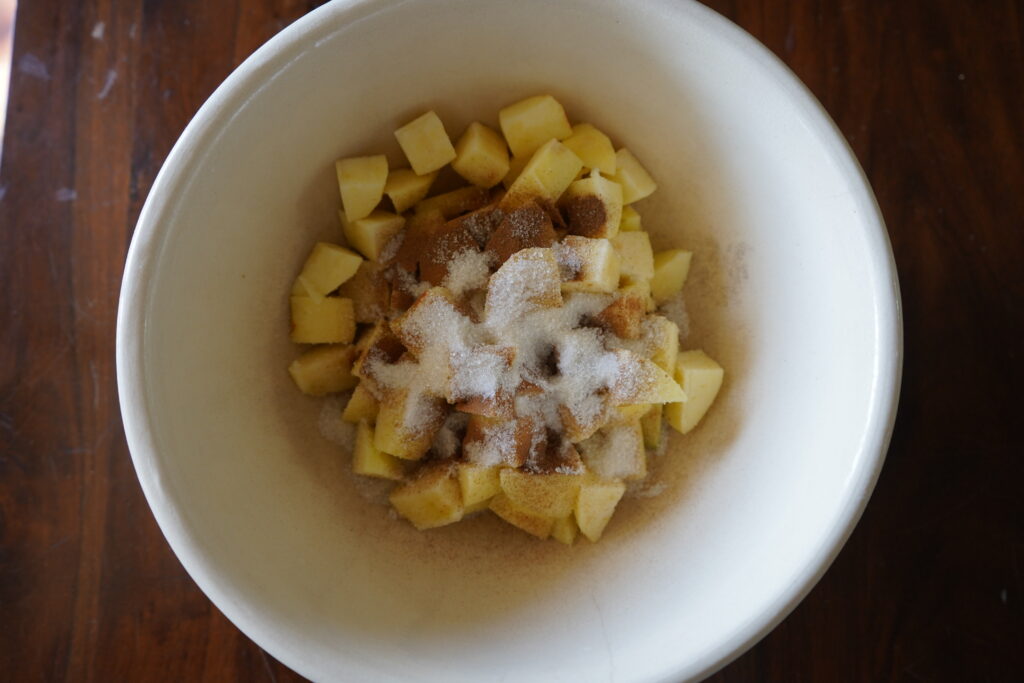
point(332, 427)
point(675, 310)
point(533, 345)
point(467, 271)
point(614, 452)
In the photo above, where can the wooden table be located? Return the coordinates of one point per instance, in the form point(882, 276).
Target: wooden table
point(929, 94)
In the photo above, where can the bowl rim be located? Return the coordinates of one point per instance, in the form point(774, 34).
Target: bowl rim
point(214, 115)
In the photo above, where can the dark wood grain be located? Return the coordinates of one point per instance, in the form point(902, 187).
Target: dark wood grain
point(928, 93)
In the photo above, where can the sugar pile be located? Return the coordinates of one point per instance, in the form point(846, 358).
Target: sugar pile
point(532, 355)
point(467, 271)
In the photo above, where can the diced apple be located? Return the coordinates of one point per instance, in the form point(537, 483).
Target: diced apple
point(370, 462)
point(324, 370)
point(361, 406)
point(701, 379)
point(531, 523)
point(624, 317)
point(594, 207)
point(660, 342)
point(596, 504)
point(329, 320)
point(327, 267)
point(588, 265)
point(481, 156)
point(630, 220)
point(530, 123)
point(616, 451)
point(631, 412)
point(640, 289)
point(564, 530)
point(547, 495)
point(515, 167)
point(636, 258)
point(641, 381)
point(431, 500)
point(425, 143)
point(378, 347)
point(405, 188)
point(493, 441)
point(466, 388)
point(670, 270)
point(524, 227)
point(370, 234)
point(651, 424)
point(527, 280)
point(581, 425)
point(546, 175)
point(361, 181)
point(478, 485)
point(368, 290)
point(593, 148)
point(456, 202)
point(406, 430)
point(635, 180)
point(434, 309)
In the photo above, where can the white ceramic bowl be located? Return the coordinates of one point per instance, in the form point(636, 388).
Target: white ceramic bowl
point(793, 289)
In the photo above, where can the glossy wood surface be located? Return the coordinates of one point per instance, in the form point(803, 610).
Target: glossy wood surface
point(929, 94)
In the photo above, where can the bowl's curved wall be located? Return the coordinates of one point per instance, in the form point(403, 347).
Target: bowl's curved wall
point(792, 290)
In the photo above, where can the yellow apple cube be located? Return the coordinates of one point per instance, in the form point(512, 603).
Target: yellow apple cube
point(593, 206)
point(400, 431)
point(546, 175)
point(670, 270)
point(361, 181)
point(630, 220)
point(635, 180)
point(624, 317)
point(660, 342)
point(642, 381)
point(478, 485)
point(431, 500)
point(564, 530)
point(588, 265)
point(327, 267)
point(528, 279)
point(547, 495)
point(404, 188)
point(632, 412)
point(454, 203)
point(370, 234)
point(531, 523)
point(530, 123)
point(481, 156)
point(651, 425)
point(640, 289)
point(616, 451)
point(515, 168)
point(636, 258)
point(425, 143)
point(592, 147)
point(370, 462)
point(368, 290)
point(596, 504)
point(324, 370)
point(362, 406)
point(701, 379)
point(329, 320)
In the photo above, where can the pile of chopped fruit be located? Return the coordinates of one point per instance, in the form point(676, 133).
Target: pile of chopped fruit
point(502, 344)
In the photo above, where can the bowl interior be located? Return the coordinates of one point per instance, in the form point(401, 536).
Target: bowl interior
point(791, 290)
